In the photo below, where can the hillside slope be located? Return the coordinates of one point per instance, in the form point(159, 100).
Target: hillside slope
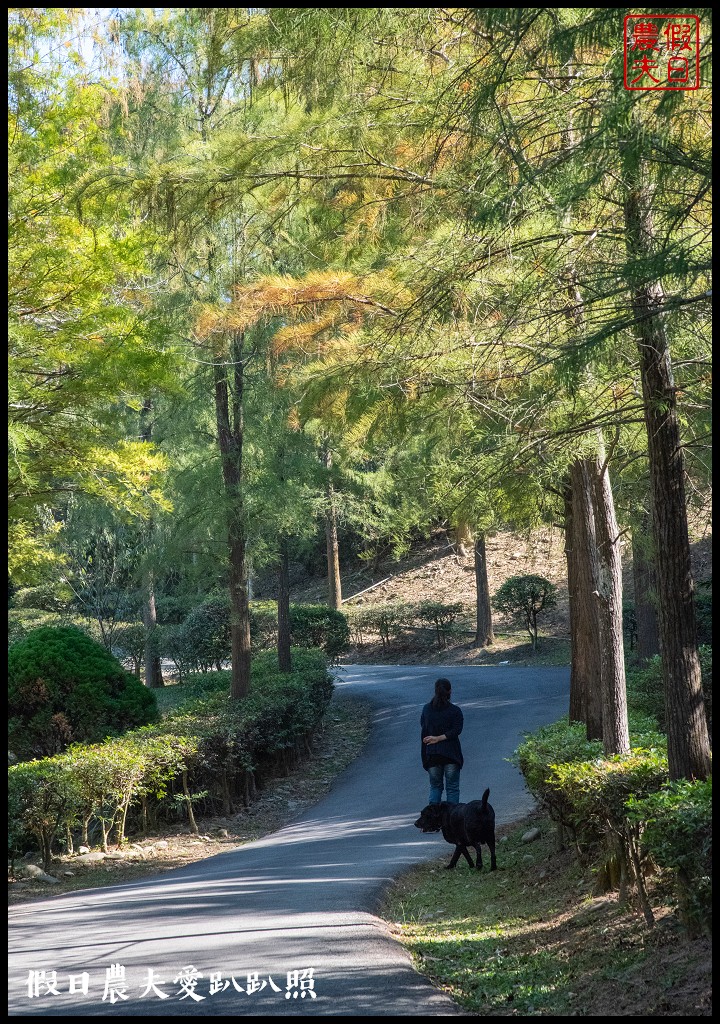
point(436, 571)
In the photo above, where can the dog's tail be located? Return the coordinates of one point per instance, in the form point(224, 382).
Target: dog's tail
point(485, 796)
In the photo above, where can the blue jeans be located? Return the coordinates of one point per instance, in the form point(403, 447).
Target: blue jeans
point(450, 773)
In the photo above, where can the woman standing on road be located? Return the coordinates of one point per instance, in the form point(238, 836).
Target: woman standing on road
point(440, 726)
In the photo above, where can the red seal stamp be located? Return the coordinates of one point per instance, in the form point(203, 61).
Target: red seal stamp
point(662, 51)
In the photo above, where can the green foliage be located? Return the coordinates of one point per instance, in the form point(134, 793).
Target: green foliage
point(629, 623)
point(206, 632)
point(41, 800)
point(523, 598)
point(319, 626)
point(172, 609)
point(585, 791)
point(442, 616)
point(388, 621)
point(394, 620)
point(202, 641)
point(65, 687)
point(49, 597)
point(703, 613)
point(677, 833)
point(263, 625)
point(596, 791)
point(560, 743)
point(129, 643)
point(171, 641)
point(22, 621)
point(620, 809)
point(209, 751)
point(77, 344)
point(645, 689)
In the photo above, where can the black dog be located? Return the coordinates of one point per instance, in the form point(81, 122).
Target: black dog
point(463, 825)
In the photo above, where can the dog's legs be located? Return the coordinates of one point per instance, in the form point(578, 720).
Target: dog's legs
point(491, 848)
point(467, 856)
point(479, 857)
point(455, 857)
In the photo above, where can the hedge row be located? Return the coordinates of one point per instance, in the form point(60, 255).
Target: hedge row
point(394, 620)
point(211, 751)
point(201, 641)
point(623, 813)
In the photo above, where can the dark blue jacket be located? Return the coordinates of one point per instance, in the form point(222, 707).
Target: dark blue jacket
point(447, 721)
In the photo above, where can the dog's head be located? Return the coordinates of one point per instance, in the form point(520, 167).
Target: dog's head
point(430, 819)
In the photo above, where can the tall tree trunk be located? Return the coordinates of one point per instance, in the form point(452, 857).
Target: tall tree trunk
point(484, 629)
point(608, 593)
point(577, 688)
point(585, 666)
point(577, 709)
point(586, 675)
point(230, 441)
point(153, 665)
point(283, 608)
point(647, 643)
point(688, 742)
point(331, 537)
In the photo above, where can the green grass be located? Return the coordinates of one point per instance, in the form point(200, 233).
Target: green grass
point(530, 939)
point(551, 651)
point(170, 697)
point(461, 928)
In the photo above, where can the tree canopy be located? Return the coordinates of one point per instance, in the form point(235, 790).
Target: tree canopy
point(279, 272)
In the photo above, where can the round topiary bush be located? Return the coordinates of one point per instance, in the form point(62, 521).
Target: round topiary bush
point(63, 687)
point(316, 625)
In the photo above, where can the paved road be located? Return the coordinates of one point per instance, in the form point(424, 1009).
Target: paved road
point(298, 901)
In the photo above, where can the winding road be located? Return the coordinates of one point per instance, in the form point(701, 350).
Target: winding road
point(285, 926)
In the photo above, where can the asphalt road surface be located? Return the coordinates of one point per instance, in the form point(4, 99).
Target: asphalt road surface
point(285, 926)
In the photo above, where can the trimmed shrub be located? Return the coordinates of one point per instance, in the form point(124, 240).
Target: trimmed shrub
point(64, 687)
point(263, 625)
point(172, 609)
point(388, 620)
point(588, 792)
point(50, 597)
point(316, 625)
point(311, 625)
point(22, 621)
point(129, 644)
point(545, 749)
point(201, 642)
point(207, 633)
point(42, 798)
point(677, 833)
point(210, 750)
point(442, 617)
